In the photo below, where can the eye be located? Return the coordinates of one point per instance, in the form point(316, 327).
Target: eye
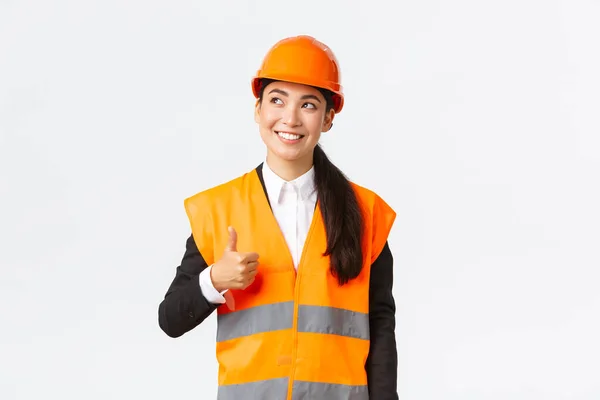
point(276, 100)
point(309, 105)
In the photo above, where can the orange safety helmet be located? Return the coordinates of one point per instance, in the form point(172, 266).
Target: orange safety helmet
point(302, 59)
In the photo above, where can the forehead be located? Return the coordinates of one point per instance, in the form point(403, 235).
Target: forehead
point(293, 89)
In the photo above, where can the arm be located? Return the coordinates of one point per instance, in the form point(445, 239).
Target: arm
point(382, 362)
point(184, 306)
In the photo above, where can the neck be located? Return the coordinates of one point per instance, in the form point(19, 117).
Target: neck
point(289, 170)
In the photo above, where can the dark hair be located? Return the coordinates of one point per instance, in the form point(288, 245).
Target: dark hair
point(339, 208)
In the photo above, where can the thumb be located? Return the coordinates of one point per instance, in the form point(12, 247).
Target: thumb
point(232, 243)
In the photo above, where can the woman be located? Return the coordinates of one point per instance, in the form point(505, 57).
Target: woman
point(292, 255)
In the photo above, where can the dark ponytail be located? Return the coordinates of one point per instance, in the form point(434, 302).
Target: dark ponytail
point(340, 211)
point(342, 217)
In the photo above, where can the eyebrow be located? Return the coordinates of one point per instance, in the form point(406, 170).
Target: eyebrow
point(305, 97)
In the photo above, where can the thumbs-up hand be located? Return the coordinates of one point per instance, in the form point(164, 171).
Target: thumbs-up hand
point(234, 270)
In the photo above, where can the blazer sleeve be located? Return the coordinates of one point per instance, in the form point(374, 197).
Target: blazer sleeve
point(382, 362)
point(184, 306)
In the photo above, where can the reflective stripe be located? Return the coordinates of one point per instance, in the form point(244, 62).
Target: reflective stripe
point(277, 389)
point(270, 389)
point(335, 321)
point(270, 317)
point(330, 391)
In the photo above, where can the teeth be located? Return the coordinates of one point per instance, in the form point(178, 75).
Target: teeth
point(289, 136)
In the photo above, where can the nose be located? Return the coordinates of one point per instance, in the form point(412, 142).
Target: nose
point(290, 116)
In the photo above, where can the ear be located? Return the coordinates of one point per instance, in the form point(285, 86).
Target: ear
point(328, 120)
point(257, 111)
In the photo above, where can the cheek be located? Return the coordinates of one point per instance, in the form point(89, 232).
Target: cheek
point(314, 123)
point(268, 118)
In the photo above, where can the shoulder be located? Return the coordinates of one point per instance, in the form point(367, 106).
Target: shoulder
point(369, 197)
point(379, 217)
point(221, 191)
point(375, 208)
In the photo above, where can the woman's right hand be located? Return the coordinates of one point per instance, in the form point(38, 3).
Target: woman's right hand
point(234, 270)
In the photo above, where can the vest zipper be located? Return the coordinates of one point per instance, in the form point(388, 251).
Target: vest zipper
point(295, 336)
point(296, 291)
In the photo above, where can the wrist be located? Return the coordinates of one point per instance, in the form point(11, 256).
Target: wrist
point(219, 287)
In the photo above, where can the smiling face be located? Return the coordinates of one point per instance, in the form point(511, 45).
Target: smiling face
point(291, 118)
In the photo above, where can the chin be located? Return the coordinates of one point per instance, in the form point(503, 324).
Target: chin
point(287, 154)
point(287, 157)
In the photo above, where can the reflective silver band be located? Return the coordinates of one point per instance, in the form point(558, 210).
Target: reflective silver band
point(262, 390)
point(278, 316)
point(334, 321)
point(266, 318)
point(276, 389)
point(330, 391)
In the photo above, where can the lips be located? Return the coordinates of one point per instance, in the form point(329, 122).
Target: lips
point(289, 135)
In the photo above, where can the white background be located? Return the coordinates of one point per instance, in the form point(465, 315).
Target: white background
point(476, 120)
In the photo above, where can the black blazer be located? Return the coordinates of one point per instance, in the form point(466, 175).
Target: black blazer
point(184, 307)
